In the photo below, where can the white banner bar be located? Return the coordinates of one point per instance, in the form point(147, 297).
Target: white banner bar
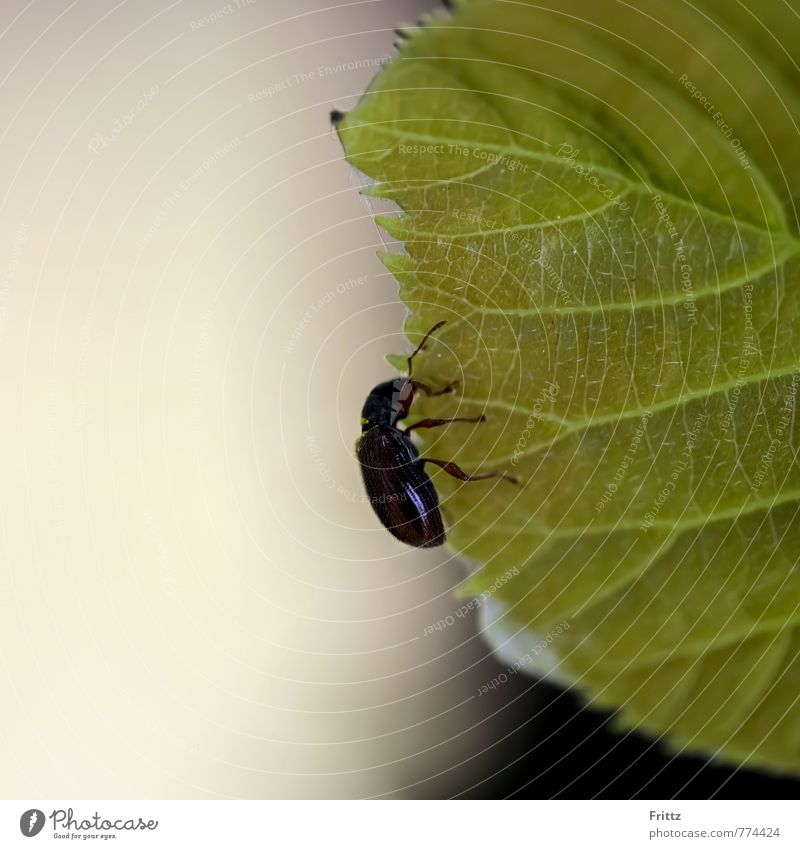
point(400, 824)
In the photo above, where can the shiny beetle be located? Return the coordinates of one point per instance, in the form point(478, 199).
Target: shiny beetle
point(398, 488)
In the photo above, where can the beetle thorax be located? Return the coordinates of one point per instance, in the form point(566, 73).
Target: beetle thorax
point(387, 403)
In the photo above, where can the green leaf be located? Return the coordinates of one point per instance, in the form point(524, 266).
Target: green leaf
point(602, 202)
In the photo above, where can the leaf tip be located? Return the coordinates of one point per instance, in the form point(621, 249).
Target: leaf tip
point(396, 263)
point(398, 362)
point(392, 225)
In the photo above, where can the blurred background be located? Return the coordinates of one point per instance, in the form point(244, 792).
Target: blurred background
point(194, 600)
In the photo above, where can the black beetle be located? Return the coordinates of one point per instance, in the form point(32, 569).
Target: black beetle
point(399, 489)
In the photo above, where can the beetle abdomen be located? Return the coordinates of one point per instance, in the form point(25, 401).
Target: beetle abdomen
point(399, 490)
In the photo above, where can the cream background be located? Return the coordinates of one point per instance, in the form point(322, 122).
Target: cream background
point(194, 601)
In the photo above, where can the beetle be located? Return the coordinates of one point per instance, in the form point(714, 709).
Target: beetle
point(398, 487)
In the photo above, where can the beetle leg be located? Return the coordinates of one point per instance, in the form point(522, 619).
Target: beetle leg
point(422, 343)
point(433, 393)
point(438, 422)
point(457, 472)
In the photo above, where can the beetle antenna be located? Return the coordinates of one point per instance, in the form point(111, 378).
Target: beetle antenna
point(422, 343)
